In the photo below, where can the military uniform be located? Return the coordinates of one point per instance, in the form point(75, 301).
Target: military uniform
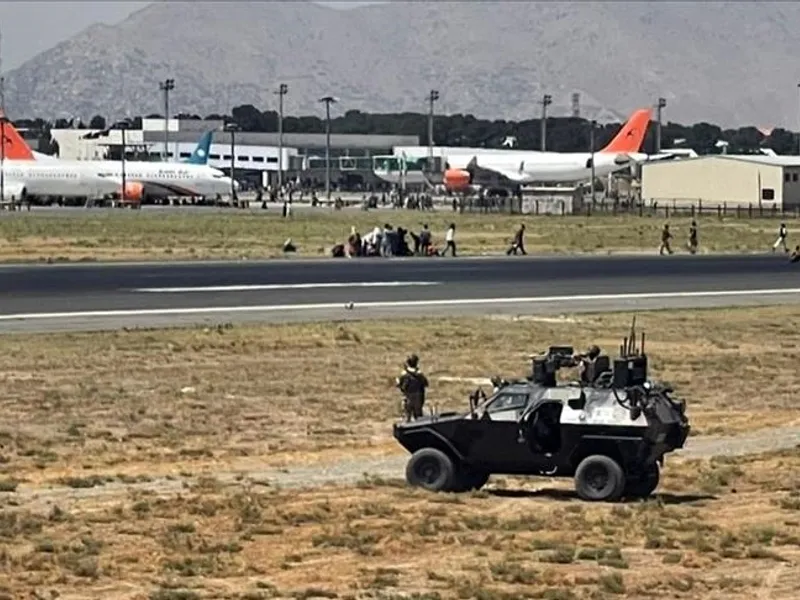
point(412, 383)
point(586, 362)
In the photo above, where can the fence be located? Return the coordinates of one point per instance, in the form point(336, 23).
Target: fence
point(664, 208)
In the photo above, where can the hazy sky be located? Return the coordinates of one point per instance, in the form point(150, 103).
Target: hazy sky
point(31, 27)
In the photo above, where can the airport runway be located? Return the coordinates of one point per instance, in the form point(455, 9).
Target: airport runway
point(101, 296)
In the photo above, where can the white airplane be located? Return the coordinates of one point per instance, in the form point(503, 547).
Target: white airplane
point(141, 177)
point(467, 170)
point(26, 178)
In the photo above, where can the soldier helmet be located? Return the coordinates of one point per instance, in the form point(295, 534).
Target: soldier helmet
point(594, 351)
point(412, 361)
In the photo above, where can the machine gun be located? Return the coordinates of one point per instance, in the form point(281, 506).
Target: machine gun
point(545, 366)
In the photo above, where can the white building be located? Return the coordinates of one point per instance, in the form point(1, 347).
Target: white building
point(724, 180)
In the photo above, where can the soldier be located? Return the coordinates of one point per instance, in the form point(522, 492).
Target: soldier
point(781, 241)
point(586, 361)
point(518, 243)
point(692, 245)
point(412, 383)
point(665, 238)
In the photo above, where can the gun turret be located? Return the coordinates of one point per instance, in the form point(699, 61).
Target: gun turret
point(545, 366)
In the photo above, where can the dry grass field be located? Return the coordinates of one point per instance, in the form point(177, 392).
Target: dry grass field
point(717, 529)
point(161, 402)
point(85, 416)
point(156, 235)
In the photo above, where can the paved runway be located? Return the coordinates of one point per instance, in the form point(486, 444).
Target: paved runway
point(91, 296)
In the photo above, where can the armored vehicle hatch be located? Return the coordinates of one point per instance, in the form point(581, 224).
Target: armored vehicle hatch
point(609, 431)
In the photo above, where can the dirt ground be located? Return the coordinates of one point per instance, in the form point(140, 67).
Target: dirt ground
point(146, 235)
point(78, 406)
point(724, 528)
point(119, 455)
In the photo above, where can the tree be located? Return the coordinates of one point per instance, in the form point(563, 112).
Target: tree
point(97, 122)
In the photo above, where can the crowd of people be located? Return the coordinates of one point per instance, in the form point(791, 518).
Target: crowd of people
point(390, 241)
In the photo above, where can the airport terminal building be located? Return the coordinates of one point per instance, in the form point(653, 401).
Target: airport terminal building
point(254, 155)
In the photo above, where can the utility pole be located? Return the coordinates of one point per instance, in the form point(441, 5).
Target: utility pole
point(547, 100)
point(433, 96)
point(591, 149)
point(798, 116)
point(231, 127)
point(123, 126)
point(328, 100)
point(662, 103)
point(166, 86)
point(282, 91)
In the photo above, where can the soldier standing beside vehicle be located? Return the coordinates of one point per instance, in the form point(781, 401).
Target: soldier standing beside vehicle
point(692, 244)
point(412, 383)
point(781, 241)
point(665, 238)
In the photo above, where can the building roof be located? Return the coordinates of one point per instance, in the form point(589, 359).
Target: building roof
point(296, 140)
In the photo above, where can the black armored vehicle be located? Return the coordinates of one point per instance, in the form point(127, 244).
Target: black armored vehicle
point(610, 430)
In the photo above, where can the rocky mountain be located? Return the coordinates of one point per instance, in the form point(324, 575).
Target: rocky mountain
point(730, 63)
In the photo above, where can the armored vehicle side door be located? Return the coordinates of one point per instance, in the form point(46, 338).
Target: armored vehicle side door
point(494, 437)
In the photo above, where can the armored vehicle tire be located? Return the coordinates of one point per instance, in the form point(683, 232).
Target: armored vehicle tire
point(644, 484)
point(431, 469)
point(599, 478)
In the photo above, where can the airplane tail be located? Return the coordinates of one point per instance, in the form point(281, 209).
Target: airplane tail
point(200, 154)
point(13, 145)
point(631, 137)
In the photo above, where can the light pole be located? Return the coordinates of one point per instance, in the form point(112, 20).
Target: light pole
point(282, 91)
point(662, 102)
point(328, 100)
point(166, 86)
point(123, 126)
point(591, 149)
point(798, 116)
point(231, 127)
point(547, 100)
point(433, 96)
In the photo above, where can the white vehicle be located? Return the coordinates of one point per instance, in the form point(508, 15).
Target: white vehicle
point(141, 177)
point(466, 170)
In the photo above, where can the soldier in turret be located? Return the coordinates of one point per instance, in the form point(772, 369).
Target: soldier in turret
point(586, 361)
point(412, 383)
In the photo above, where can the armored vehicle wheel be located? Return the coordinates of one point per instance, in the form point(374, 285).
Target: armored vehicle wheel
point(599, 478)
point(430, 469)
point(644, 483)
point(468, 479)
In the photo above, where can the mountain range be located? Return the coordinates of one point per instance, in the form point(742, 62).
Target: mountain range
point(728, 63)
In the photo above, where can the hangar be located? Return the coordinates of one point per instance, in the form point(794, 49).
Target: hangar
point(724, 180)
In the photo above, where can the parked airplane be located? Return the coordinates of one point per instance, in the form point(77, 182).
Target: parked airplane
point(517, 167)
point(142, 178)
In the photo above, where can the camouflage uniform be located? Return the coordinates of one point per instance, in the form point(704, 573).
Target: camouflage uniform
point(412, 383)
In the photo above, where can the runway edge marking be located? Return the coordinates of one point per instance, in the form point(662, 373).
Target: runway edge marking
point(388, 304)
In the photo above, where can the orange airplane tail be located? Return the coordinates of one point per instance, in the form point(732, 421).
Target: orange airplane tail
point(14, 147)
point(631, 136)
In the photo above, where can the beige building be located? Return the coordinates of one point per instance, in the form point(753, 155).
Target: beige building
point(724, 179)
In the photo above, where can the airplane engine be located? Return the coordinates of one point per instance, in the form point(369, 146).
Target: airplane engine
point(133, 193)
point(457, 180)
point(622, 159)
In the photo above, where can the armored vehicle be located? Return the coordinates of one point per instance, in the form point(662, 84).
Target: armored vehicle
point(610, 430)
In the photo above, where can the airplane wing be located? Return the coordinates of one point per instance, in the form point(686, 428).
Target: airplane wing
point(495, 171)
